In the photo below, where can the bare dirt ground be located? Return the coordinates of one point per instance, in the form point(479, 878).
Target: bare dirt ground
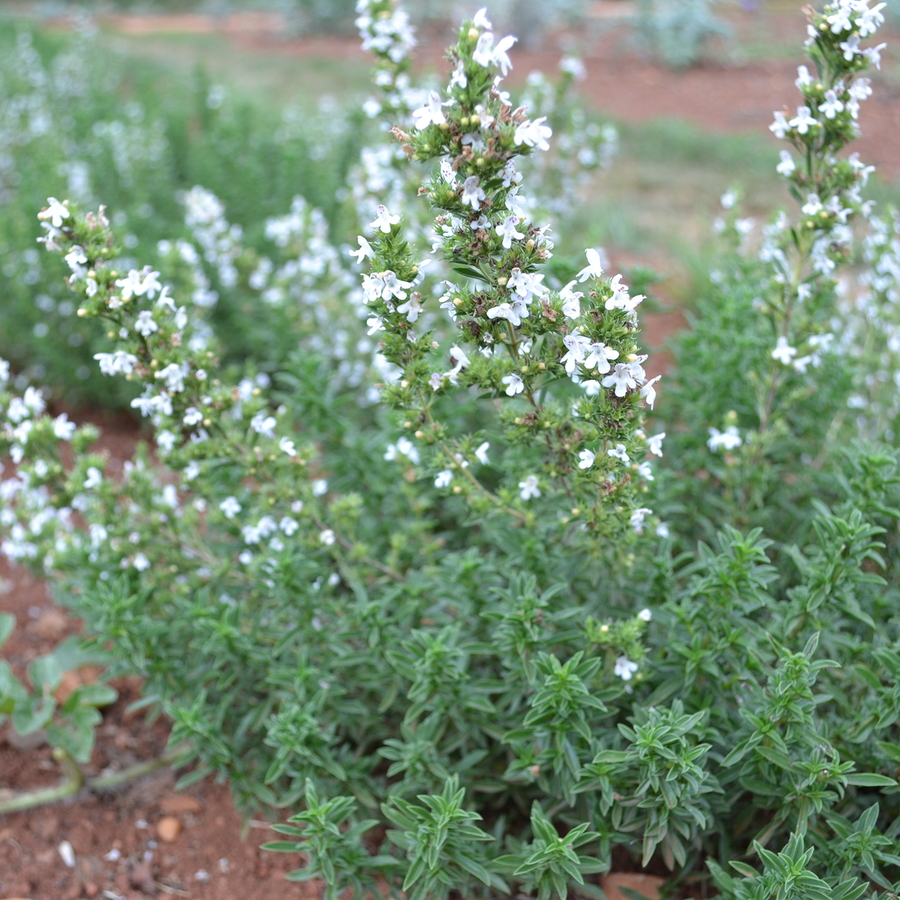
point(118, 839)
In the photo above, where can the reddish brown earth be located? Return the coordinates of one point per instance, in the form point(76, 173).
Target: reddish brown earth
point(204, 827)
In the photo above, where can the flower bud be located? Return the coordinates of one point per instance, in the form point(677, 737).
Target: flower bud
point(420, 434)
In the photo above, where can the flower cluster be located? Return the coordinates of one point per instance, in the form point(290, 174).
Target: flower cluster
point(515, 336)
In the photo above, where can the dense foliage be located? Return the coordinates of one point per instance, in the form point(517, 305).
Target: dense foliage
point(474, 645)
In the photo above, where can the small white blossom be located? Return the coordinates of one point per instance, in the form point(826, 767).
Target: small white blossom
point(533, 134)
point(514, 384)
point(637, 518)
point(654, 443)
point(507, 229)
point(786, 166)
point(481, 453)
point(264, 425)
point(384, 220)
point(230, 507)
point(727, 440)
point(529, 488)
point(443, 478)
point(472, 192)
point(594, 268)
point(625, 668)
point(783, 351)
point(55, 212)
point(431, 112)
point(645, 614)
point(619, 452)
point(587, 458)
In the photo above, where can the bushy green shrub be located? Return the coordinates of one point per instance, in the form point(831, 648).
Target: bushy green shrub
point(457, 644)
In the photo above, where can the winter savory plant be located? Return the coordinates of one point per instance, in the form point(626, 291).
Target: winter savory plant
point(455, 643)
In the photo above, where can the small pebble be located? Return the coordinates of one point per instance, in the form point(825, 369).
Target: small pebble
point(202, 875)
point(67, 854)
point(168, 829)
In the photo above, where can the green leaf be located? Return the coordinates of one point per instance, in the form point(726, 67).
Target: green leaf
point(870, 779)
point(7, 625)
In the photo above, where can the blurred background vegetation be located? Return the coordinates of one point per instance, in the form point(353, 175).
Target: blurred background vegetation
point(99, 113)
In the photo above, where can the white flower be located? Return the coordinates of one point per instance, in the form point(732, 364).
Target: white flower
point(461, 362)
point(191, 470)
point(587, 458)
point(63, 428)
point(320, 487)
point(514, 383)
point(803, 121)
point(412, 307)
point(481, 453)
point(403, 447)
point(803, 77)
point(619, 452)
point(443, 478)
point(577, 346)
point(648, 391)
point(4, 371)
point(286, 445)
point(529, 488)
point(512, 312)
point(625, 668)
point(622, 378)
point(116, 363)
point(500, 57)
point(384, 220)
point(327, 537)
point(728, 440)
point(141, 563)
point(783, 351)
point(662, 530)
point(594, 268)
point(230, 507)
point(654, 444)
point(786, 166)
point(637, 518)
point(832, 106)
point(571, 306)
point(509, 232)
point(780, 126)
point(365, 250)
point(533, 134)
point(481, 20)
point(94, 478)
point(173, 375)
point(192, 416)
point(288, 525)
point(645, 614)
point(431, 112)
point(55, 212)
point(483, 53)
point(264, 425)
point(472, 192)
point(166, 440)
point(245, 557)
point(645, 470)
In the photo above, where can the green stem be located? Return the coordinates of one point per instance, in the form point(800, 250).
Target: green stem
point(138, 770)
point(71, 784)
point(74, 780)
